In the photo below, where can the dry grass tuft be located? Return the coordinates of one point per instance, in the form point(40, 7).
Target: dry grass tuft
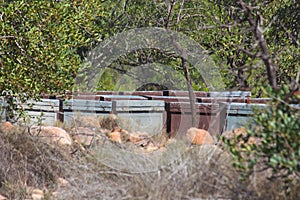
point(28, 161)
point(122, 171)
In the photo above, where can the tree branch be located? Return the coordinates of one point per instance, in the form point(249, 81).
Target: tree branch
point(258, 32)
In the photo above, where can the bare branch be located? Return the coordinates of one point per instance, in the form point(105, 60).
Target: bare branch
point(170, 8)
point(179, 12)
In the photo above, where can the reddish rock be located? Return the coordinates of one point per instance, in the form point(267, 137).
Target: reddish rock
point(115, 135)
point(52, 134)
point(136, 137)
point(199, 136)
point(6, 126)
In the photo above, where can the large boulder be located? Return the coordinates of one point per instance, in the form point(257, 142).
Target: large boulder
point(52, 134)
point(199, 136)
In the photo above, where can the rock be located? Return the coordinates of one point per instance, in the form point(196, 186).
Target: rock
point(52, 134)
point(115, 135)
point(151, 147)
point(2, 197)
point(6, 126)
point(199, 136)
point(37, 194)
point(136, 137)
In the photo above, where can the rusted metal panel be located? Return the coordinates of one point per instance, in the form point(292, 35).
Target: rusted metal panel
point(108, 93)
point(120, 97)
point(183, 93)
point(179, 118)
point(87, 97)
point(258, 100)
point(169, 98)
point(144, 93)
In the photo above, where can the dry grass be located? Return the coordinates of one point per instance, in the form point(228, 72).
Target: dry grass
point(121, 171)
point(28, 161)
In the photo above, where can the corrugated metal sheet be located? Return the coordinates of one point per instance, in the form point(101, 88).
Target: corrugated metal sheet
point(149, 111)
point(240, 114)
point(45, 111)
point(81, 107)
point(141, 115)
point(243, 94)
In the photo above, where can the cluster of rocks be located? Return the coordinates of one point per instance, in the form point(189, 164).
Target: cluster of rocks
point(86, 137)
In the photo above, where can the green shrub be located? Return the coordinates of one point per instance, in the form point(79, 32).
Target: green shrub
point(277, 147)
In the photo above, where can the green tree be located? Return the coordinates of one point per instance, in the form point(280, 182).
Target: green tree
point(39, 43)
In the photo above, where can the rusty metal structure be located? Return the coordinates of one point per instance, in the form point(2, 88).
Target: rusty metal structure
point(151, 111)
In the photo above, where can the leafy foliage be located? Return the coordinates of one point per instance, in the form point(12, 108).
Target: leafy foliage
point(39, 43)
point(276, 131)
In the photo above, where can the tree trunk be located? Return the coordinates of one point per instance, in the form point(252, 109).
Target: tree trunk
point(184, 64)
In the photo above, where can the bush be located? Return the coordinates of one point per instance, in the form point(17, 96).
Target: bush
point(276, 150)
